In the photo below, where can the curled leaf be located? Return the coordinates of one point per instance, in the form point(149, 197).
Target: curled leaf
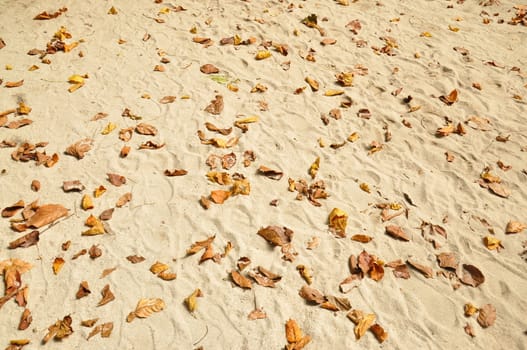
point(146, 307)
point(338, 220)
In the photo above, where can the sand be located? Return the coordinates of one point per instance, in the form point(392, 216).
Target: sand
point(164, 216)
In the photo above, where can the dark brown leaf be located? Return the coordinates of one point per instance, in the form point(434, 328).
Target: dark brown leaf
point(471, 275)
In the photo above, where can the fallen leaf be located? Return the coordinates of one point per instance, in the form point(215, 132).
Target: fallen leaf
point(209, 69)
point(175, 172)
point(380, 334)
point(167, 99)
point(265, 277)
point(276, 235)
point(499, 189)
point(191, 300)
point(469, 330)
point(216, 106)
point(305, 273)
point(397, 232)
point(11, 210)
point(257, 314)
point(146, 307)
point(312, 295)
point(338, 220)
point(112, 11)
point(472, 276)
point(125, 198)
point(25, 241)
point(13, 84)
point(124, 151)
point(515, 227)
point(116, 179)
point(219, 196)
point(135, 259)
point(292, 331)
point(344, 79)
point(79, 148)
point(58, 263)
point(59, 330)
point(487, 315)
point(106, 329)
point(262, 54)
point(333, 92)
point(95, 252)
point(199, 245)
point(470, 309)
point(448, 261)
point(313, 243)
point(362, 321)
point(313, 169)
point(214, 128)
point(107, 295)
point(240, 280)
point(83, 291)
point(312, 83)
point(425, 270)
point(270, 173)
point(449, 99)
point(146, 129)
point(87, 202)
point(46, 214)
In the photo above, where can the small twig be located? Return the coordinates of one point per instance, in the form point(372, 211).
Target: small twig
point(203, 337)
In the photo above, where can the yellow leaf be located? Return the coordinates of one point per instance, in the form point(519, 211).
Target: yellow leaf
point(164, 11)
point(396, 19)
point(75, 87)
point(109, 128)
point(470, 309)
point(313, 169)
point(87, 202)
point(333, 92)
point(321, 142)
point(98, 229)
point(146, 96)
point(492, 243)
point(99, 191)
point(293, 332)
point(32, 68)
point(365, 187)
point(338, 220)
point(145, 308)
point(251, 119)
point(191, 300)
point(8, 67)
point(76, 79)
point(19, 342)
point(395, 206)
point(363, 325)
point(112, 11)
point(353, 137)
point(23, 108)
point(263, 54)
point(237, 39)
point(426, 34)
point(193, 30)
point(452, 28)
point(232, 87)
point(57, 265)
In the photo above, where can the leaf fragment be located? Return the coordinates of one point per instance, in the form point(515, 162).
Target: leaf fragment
point(240, 280)
point(58, 263)
point(107, 295)
point(487, 315)
point(515, 227)
point(397, 232)
point(449, 99)
point(79, 148)
point(270, 173)
point(425, 270)
point(216, 106)
point(338, 220)
point(59, 330)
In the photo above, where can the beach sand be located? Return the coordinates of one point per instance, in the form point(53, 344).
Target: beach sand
point(404, 56)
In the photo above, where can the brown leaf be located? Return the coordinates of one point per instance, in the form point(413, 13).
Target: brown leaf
point(95, 252)
point(106, 329)
point(125, 198)
point(12, 209)
point(124, 151)
point(108, 271)
point(257, 314)
point(354, 26)
point(25, 320)
point(79, 148)
point(240, 280)
point(425, 270)
point(79, 253)
point(293, 332)
point(313, 243)
point(361, 238)
point(472, 276)
point(328, 41)
point(219, 196)
point(216, 106)
point(499, 189)
point(448, 261)
point(107, 295)
point(400, 269)
point(469, 330)
point(199, 245)
point(167, 99)
point(380, 334)
point(312, 295)
point(487, 315)
point(265, 277)
point(135, 259)
point(116, 179)
point(214, 128)
point(83, 291)
point(46, 214)
point(397, 232)
point(146, 129)
point(89, 323)
point(342, 304)
point(270, 173)
point(106, 214)
point(151, 145)
point(13, 84)
point(450, 98)
point(59, 330)
point(146, 307)
point(276, 235)
point(18, 123)
point(209, 69)
point(515, 227)
point(75, 185)
point(25, 241)
point(175, 172)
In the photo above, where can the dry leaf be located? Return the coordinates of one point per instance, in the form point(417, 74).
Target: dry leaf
point(19, 123)
point(270, 173)
point(492, 243)
point(46, 214)
point(151, 145)
point(345, 78)
point(83, 291)
point(257, 314)
point(333, 92)
point(212, 127)
point(124, 151)
point(216, 106)
point(380, 334)
point(470, 309)
point(219, 196)
point(312, 83)
point(487, 315)
point(447, 261)
point(469, 330)
point(106, 329)
point(135, 259)
point(397, 232)
point(338, 220)
point(199, 245)
point(450, 98)
point(13, 84)
point(313, 243)
point(25, 241)
point(79, 148)
point(312, 295)
point(175, 172)
point(125, 198)
point(107, 295)
point(515, 227)
point(425, 270)
point(58, 263)
point(313, 169)
point(75, 185)
point(146, 307)
point(328, 41)
point(262, 54)
point(472, 276)
point(116, 179)
point(361, 238)
point(191, 300)
point(293, 332)
point(240, 280)
point(59, 330)
point(87, 202)
point(25, 320)
point(167, 99)
point(305, 273)
point(95, 252)
point(108, 271)
point(11, 210)
point(146, 129)
point(362, 321)
point(109, 128)
point(499, 189)
point(276, 235)
point(209, 69)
